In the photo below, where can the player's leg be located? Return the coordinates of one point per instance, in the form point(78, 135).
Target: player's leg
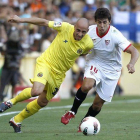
point(27, 93)
point(92, 74)
point(14, 80)
point(95, 108)
point(37, 89)
point(80, 96)
point(5, 79)
point(38, 81)
point(31, 108)
point(105, 90)
point(47, 94)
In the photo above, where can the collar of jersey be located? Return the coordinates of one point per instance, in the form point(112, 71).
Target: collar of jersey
point(102, 35)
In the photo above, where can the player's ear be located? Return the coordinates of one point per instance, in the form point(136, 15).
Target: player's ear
point(75, 26)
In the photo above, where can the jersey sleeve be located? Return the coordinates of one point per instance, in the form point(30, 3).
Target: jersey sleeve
point(59, 26)
point(122, 42)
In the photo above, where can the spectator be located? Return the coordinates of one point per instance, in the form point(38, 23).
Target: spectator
point(69, 17)
point(36, 5)
point(47, 39)
point(89, 15)
point(90, 6)
point(101, 4)
point(64, 7)
point(12, 56)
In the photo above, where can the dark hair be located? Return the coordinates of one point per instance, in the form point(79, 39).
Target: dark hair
point(102, 13)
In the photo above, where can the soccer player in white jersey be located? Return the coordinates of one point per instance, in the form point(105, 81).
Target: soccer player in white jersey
point(103, 67)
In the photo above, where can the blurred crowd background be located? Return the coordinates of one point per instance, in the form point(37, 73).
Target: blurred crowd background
point(35, 38)
point(27, 38)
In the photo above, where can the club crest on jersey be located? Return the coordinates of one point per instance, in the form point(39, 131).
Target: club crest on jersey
point(107, 42)
point(40, 74)
point(79, 51)
point(57, 24)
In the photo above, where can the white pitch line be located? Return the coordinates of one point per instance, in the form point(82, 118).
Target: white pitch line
point(69, 106)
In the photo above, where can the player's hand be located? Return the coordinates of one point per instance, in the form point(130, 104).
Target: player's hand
point(131, 68)
point(14, 19)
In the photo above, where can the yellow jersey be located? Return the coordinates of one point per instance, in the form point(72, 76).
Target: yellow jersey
point(64, 50)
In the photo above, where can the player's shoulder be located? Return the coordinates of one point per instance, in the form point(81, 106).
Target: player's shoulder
point(87, 41)
point(92, 31)
point(66, 24)
point(114, 30)
point(87, 38)
point(116, 34)
point(60, 26)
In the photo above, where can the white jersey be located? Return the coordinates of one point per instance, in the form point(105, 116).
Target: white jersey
point(107, 48)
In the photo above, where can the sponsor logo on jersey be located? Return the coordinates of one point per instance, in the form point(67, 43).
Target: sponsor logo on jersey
point(57, 24)
point(65, 41)
point(107, 42)
point(79, 51)
point(40, 74)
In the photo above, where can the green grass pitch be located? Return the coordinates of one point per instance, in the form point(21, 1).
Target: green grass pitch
point(120, 120)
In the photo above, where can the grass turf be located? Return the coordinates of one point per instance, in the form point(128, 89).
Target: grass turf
point(119, 121)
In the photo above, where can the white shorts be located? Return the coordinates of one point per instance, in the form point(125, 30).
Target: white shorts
point(106, 81)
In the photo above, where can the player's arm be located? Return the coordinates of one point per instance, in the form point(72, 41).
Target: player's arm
point(88, 49)
point(134, 57)
point(32, 20)
point(84, 54)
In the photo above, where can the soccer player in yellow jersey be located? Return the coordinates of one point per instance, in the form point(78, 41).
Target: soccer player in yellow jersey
point(70, 42)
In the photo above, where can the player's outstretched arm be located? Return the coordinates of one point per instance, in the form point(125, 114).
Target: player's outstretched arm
point(32, 20)
point(134, 57)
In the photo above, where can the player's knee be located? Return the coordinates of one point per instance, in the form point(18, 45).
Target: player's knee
point(86, 87)
point(43, 102)
point(36, 92)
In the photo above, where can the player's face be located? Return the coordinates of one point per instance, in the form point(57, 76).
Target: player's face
point(102, 25)
point(79, 33)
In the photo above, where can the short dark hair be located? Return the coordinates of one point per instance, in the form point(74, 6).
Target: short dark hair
point(102, 13)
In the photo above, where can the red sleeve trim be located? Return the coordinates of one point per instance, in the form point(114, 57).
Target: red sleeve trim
point(127, 48)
